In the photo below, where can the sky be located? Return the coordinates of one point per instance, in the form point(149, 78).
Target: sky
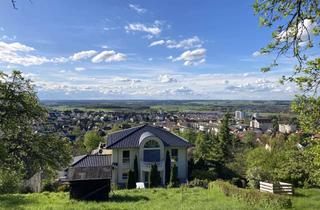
point(118, 49)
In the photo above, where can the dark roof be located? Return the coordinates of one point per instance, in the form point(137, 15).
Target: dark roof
point(93, 161)
point(264, 120)
point(129, 138)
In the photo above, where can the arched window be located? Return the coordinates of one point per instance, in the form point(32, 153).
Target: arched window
point(151, 151)
point(152, 144)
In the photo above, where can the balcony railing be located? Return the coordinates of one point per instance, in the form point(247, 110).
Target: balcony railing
point(146, 166)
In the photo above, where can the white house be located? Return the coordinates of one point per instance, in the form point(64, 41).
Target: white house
point(150, 145)
point(261, 123)
point(286, 128)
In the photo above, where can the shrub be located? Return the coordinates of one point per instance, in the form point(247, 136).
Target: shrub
point(204, 174)
point(252, 197)
point(50, 186)
point(198, 183)
point(242, 183)
point(63, 188)
point(10, 182)
point(174, 181)
point(131, 184)
point(154, 179)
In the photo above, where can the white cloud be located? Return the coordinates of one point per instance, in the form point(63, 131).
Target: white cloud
point(137, 8)
point(14, 47)
point(15, 53)
point(109, 56)
point(80, 69)
point(194, 57)
point(155, 43)
point(83, 55)
point(256, 54)
point(193, 42)
point(166, 79)
point(154, 29)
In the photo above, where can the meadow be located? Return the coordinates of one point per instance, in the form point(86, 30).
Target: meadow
point(178, 198)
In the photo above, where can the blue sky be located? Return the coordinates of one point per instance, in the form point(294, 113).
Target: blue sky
point(114, 49)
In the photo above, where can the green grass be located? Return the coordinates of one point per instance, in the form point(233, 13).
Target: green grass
point(172, 199)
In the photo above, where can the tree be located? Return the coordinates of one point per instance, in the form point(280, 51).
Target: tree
point(131, 184)
point(136, 169)
point(154, 179)
point(190, 135)
point(296, 34)
point(308, 112)
point(224, 144)
point(23, 148)
point(174, 181)
point(92, 140)
point(167, 168)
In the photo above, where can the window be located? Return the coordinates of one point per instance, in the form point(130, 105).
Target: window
point(174, 154)
point(151, 155)
point(151, 151)
point(124, 175)
point(126, 156)
point(152, 144)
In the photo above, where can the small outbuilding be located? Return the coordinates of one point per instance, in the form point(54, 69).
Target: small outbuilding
point(89, 177)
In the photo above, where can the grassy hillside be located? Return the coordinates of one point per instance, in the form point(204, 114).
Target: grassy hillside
point(191, 198)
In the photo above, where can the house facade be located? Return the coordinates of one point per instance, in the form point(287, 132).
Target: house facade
point(261, 123)
point(149, 144)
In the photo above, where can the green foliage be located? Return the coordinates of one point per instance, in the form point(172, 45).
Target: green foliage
point(249, 138)
point(131, 184)
point(189, 134)
point(201, 174)
point(136, 169)
point(252, 197)
point(285, 162)
point(174, 181)
point(23, 149)
point(92, 140)
point(154, 179)
point(167, 168)
point(308, 112)
point(198, 183)
point(10, 182)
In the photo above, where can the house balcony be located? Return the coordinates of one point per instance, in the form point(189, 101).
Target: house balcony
point(146, 166)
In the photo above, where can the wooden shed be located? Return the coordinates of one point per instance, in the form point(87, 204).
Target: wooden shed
point(89, 177)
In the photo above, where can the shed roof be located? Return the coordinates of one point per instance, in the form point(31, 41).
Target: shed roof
point(93, 161)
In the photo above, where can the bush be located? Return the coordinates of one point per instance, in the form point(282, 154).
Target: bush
point(131, 184)
point(63, 188)
point(10, 182)
point(50, 187)
point(174, 181)
point(204, 174)
point(252, 197)
point(198, 183)
point(242, 183)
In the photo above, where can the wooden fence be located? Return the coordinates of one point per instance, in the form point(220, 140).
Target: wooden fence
point(276, 188)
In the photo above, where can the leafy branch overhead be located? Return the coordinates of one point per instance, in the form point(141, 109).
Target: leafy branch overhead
point(296, 24)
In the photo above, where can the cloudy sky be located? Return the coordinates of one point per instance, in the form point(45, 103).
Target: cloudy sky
point(117, 49)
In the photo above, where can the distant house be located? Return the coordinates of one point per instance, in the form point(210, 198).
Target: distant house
point(150, 145)
point(287, 128)
point(261, 123)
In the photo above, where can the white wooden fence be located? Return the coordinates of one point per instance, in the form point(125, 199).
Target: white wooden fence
point(277, 188)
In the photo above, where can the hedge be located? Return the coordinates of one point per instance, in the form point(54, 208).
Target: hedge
point(251, 196)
